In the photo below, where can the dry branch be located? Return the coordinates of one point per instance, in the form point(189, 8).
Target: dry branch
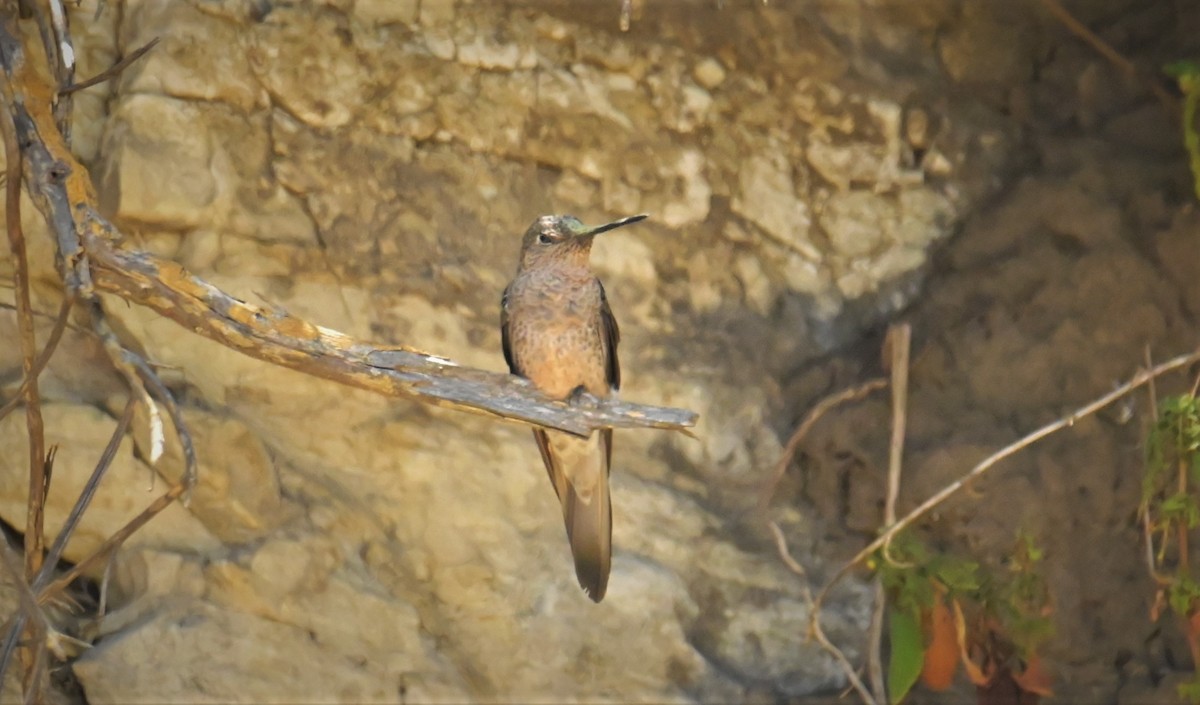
point(1114, 57)
point(111, 71)
point(899, 344)
point(86, 495)
point(810, 419)
point(91, 259)
point(29, 620)
point(1142, 377)
point(276, 336)
point(43, 359)
point(110, 544)
point(33, 410)
point(814, 623)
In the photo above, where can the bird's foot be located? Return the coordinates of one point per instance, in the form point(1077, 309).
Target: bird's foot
point(582, 398)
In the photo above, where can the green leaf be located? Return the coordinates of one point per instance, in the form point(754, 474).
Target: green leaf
point(1182, 69)
point(960, 576)
point(1190, 690)
point(1183, 593)
point(908, 654)
point(1182, 508)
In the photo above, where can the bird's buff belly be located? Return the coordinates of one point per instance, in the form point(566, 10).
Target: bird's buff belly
point(558, 364)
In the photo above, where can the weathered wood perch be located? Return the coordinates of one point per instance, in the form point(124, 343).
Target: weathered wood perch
point(91, 259)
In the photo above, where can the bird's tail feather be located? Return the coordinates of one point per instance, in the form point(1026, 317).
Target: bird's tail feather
point(579, 469)
point(589, 530)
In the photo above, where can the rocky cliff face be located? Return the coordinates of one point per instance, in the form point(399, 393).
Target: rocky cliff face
point(369, 165)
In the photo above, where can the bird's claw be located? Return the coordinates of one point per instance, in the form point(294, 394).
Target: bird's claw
point(582, 398)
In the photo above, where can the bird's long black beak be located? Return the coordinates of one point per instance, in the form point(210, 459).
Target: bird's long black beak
point(614, 225)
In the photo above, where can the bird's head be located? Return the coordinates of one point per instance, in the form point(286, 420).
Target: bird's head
point(562, 238)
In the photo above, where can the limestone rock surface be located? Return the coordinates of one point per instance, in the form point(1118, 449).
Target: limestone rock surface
point(81, 433)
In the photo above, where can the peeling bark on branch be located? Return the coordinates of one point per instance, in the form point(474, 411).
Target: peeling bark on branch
point(90, 256)
point(280, 338)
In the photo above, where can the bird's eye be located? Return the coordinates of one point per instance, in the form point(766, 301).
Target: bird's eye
point(545, 239)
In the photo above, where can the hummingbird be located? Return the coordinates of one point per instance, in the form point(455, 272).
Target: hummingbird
point(559, 332)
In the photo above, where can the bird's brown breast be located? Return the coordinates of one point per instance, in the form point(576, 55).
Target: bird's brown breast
point(556, 340)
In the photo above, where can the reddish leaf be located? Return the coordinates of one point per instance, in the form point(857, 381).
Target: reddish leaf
point(1193, 630)
point(941, 656)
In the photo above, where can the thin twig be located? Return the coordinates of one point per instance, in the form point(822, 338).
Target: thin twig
point(1151, 386)
point(164, 396)
point(626, 16)
point(49, 46)
point(1141, 378)
point(105, 581)
point(810, 419)
point(146, 387)
point(35, 672)
point(45, 589)
point(65, 74)
point(33, 410)
point(1151, 565)
point(814, 621)
point(110, 544)
point(1112, 55)
point(12, 631)
point(899, 343)
point(112, 71)
point(56, 333)
point(1144, 505)
point(85, 496)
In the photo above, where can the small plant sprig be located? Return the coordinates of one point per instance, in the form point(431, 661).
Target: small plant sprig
point(946, 610)
point(1170, 512)
point(1187, 75)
